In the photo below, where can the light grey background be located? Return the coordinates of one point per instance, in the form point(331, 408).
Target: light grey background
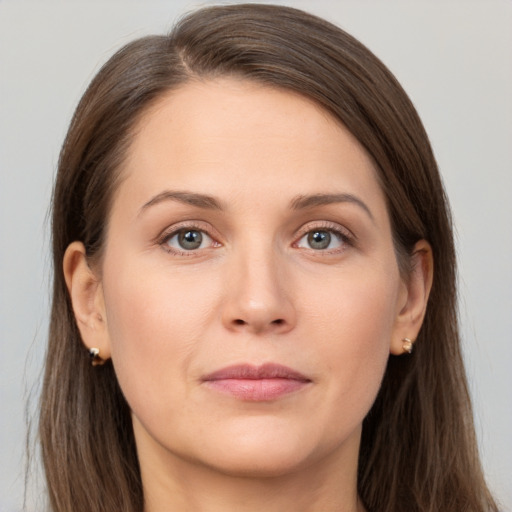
point(454, 59)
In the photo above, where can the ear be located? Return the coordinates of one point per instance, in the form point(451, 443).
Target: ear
point(86, 295)
point(413, 297)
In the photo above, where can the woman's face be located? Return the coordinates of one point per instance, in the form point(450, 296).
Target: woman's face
point(250, 285)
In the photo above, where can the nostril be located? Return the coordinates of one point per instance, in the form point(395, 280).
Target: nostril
point(277, 321)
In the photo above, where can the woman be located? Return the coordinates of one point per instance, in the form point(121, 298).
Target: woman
point(248, 216)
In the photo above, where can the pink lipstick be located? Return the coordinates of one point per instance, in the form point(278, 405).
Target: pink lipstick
point(256, 383)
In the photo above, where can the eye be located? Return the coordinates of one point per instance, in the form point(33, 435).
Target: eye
point(321, 240)
point(188, 240)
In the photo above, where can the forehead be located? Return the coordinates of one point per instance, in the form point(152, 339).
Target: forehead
point(221, 136)
point(235, 108)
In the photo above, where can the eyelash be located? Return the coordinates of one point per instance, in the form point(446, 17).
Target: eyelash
point(345, 237)
point(342, 234)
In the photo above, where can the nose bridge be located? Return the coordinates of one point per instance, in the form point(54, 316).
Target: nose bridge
point(258, 298)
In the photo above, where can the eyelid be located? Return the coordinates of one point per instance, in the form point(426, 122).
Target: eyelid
point(327, 226)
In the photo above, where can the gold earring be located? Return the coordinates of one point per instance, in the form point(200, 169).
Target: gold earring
point(94, 354)
point(407, 345)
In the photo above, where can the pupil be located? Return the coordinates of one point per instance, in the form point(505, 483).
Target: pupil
point(319, 239)
point(190, 239)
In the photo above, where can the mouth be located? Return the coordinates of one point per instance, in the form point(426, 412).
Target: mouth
point(256, 383)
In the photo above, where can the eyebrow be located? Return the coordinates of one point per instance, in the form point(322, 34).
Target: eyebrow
point(300, 202)
point(310, 201)
point(191, 198)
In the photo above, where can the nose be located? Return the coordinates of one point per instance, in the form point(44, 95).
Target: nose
point(258, 297)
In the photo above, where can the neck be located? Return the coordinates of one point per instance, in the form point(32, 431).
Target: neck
point(224, 493)
point(329, 484)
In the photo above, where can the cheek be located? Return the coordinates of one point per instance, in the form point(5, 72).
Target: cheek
point(354, 324)
point(156, 326)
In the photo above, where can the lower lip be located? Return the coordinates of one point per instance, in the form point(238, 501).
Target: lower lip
point(257, 390)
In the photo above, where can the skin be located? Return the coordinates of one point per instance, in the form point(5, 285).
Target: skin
point(254, 292)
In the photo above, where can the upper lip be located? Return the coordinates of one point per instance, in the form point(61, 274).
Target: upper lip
point(252, 372)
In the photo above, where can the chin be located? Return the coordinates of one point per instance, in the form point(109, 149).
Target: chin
point(263, 452)
point(259, 463)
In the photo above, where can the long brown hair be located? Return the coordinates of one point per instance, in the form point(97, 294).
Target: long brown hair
point(418, 449)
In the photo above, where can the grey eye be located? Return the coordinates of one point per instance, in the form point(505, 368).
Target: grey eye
point(322, 239)
point(319, 239)
point(189, 240)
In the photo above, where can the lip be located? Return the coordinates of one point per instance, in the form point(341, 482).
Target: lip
point(256, 383)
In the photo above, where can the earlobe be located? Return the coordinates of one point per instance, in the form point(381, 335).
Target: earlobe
point(86, 294)
point(416, 293)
